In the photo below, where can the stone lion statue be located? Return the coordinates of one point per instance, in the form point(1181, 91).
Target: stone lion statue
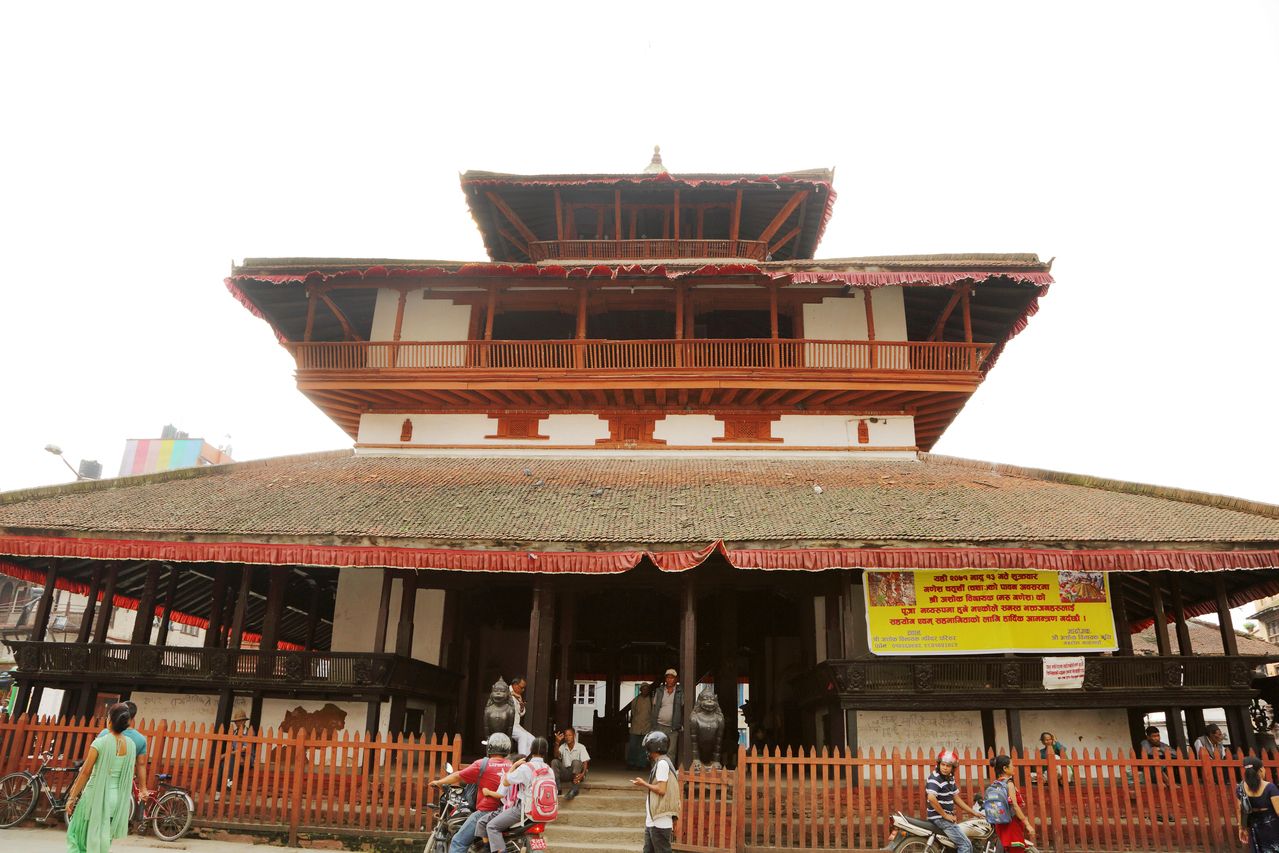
point(499, 711)
point(707, 724)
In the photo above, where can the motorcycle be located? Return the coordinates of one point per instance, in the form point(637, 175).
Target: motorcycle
point(452, 810)
point(921, 836)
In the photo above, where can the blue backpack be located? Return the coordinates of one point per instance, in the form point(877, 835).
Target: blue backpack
point(995, 804)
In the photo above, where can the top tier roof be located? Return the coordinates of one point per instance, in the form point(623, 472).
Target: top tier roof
point(532, 200)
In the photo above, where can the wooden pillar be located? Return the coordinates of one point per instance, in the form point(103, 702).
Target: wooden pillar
point(617, 214)
point(313, 615)
point(373, 713)
point(968, 316)
point(279, 584)
point(988, 737)
point(40, 625)
point(539, 664)
point(310, 315)
point(1176, 731)
point(688, 663)
point(564, 679)
point(579, 356)
point(241, 608)
point(1179, 616)
point(735, 224)
point(408, 612)
point(726, 673)
point(222, 717)
point(489, 312)
point(775, 347)
point(91, 606)
point(255, 712)
point(1229, 641)
point(870, 325)
point(166, 618)
point(1239, 724)
point(1119, 610)
point(1012, 716)
point(103, 623)
point(217, 608)
point(675, 233)
point(853, 615)
point(146, 607)
point(1161, 615)
point(850, 737)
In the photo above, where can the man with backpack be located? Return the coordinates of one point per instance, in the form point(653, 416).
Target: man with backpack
point(662, 805)
point(528, 792)
point(477, 776)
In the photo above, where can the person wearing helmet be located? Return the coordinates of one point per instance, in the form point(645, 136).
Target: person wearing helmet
point(662, 805)
point(485, 774)
point(943, 796)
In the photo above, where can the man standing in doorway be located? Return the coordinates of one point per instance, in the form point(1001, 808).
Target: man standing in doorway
point(641, 724)
point(668, 711)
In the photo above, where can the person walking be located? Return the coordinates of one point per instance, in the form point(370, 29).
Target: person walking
point(572, 763)
point(668, 711)
point(98, 804)
point(662, 803)
point(1014, 834)
point(140, 746)
point(641, 724)
point(1258, 809)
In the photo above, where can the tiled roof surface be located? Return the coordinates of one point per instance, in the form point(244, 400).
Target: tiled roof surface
point(1205, 639)
point(635, 499)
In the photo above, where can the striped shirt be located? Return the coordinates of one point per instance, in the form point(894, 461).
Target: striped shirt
point(944, 789)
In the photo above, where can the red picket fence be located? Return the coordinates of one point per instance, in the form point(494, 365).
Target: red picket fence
point(1087, 801)
point(342, 783)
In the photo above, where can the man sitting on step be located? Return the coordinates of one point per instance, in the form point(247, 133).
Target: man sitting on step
point(573, 762)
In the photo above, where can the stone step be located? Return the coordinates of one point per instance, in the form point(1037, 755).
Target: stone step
point(607, 836)
point(614, 801)
point(572, 816)
point(554, 846)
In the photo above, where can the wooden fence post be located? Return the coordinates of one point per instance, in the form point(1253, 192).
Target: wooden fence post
point(739, 799)
point(1054, 802)
point(298, 755)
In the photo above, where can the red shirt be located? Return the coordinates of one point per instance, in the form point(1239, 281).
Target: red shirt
point(492, 778)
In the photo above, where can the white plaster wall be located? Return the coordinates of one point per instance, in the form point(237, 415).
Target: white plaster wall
point(915, 730)
point(424, 319)
point(688, 430)
point(841, 431)
point(182, 707)
point(843, 318)
point(563, 430)
point(1078, 728)
point(355, 615)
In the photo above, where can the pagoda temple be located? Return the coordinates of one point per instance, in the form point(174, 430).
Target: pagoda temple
point(651, 430)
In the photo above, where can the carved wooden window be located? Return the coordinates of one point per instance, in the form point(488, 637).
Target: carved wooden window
point(863, 432)
point(752, 429)
point(406, 430)
point(631, 430)
point(518, 426)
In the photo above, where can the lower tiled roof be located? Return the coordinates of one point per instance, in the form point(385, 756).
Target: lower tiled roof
point(637, 499)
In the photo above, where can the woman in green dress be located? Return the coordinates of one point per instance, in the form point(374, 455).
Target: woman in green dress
point(101, 799)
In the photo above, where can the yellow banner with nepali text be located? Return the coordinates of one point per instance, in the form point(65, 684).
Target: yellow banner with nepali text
point(967, 611)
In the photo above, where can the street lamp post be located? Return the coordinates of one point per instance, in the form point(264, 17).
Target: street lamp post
point(79, 475)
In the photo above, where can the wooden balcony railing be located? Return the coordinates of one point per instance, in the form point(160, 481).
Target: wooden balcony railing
point(700, 355)
point(1002, 677)
point(326, 673)
point(619, 250)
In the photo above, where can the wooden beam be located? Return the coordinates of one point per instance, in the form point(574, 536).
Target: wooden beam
point(519, 244)
point(1179, 616)
point(274, 608)
point(241, 608)
point(783, 240)
point(489, 310)
point(559, 217)
point(564, 680)
point(310, 314)
point(145, 619)
point(617, 214)
point(1229, 642)
point(940, 326)
point(399, 315)
point(86, 618)
point(735, 226)
point(383, 613)
point(1161, 617)
point(348, 331)
point(103, 623)
point(511, 216)
point(676, 234)
point(968, 316)
point(687, 663)
point(313, 616)
point(782, 215)
point(217, 601)
point(408, 609)
point(581, 313)
point(166, 617)
point(40, 627)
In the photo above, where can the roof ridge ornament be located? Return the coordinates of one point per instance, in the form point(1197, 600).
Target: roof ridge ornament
point(655, 166)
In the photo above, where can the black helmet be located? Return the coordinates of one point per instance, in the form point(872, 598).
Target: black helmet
point(657, 742)
point(498, 744)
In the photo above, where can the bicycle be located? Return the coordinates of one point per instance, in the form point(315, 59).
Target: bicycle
point(20, 793)
point(170, 813)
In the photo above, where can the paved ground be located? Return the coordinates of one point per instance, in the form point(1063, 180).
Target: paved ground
point(54, 840)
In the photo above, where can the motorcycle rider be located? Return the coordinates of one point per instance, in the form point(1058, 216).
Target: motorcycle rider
point(498, 746)
point(943, 796)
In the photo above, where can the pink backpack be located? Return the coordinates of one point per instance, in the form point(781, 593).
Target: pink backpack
point(544, 804)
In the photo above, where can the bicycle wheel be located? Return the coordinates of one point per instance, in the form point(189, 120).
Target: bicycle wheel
point(172, 816)
point(18, 794)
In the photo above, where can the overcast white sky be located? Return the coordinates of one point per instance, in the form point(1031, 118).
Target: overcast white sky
point(146, 146)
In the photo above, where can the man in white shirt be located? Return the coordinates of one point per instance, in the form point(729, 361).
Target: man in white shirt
point(662, 802)
point(573, 762)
